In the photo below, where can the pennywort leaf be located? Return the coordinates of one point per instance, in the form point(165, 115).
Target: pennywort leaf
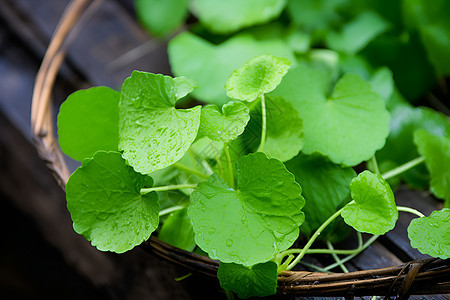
point(153, 134)
point(348, 127)
point(373, 208)
point(104, 201)
point(88, 121)
point(249, 224)
point(257, 77)
point(436, 151)
point(259, 280)
point(210, 65)
point(431, 235)
point(226, 125)
point(358, 33)
point(161, 17)
point(225, 17)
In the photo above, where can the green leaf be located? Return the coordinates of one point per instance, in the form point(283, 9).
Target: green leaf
point(356, 34)
point(373, 208)
point(405, 120)
point(161, 17)
point(325, 187)
point(104, 200)
point(177, 231)
point(433, 25)
point(431, 235)
point(183, 86)
point(348, 127)
point(153, 134)
point(257, 77)
point(225, 17)
point(226, 125)
point(252, 223)
point(211, 65)
point(88, 121)
point(284, 132)
point(256, 281)
point(436, 150)
point(315, 15)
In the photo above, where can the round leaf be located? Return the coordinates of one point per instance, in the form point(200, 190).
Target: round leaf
point(210, 65)
point(436, 151)
point(88, 121)
point(161, 17)
point(373, 208)
point(104, 200)
point(256, 281)
point(225, 17)
point(348, 127)
point(257, 77)
point(431, 235)
point(252, 223)
point(153, 133)
point(226, 125)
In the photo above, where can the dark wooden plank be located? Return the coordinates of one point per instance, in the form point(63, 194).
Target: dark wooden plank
point(110, 33)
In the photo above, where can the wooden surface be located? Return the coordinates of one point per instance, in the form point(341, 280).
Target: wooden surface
point(44, 258)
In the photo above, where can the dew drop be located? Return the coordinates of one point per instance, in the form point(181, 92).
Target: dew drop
point(211, 230)
point(229, 243)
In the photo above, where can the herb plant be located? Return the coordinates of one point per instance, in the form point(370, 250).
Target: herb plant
point(269, 156)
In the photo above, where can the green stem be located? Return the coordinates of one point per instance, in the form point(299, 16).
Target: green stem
point(190, 170)
point(170, 210)
point(183, 277)
point(410, 210)
point(263, 131)
point(346, 259)
point(314, 237)
point(375, 164)
point(168, 188)
point(336, 258)
point(230, 167)
point(403, 168)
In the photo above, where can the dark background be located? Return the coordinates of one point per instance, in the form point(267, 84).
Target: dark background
point(40, 255)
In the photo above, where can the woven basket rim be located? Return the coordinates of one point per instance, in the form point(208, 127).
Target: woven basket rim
point(430, 276)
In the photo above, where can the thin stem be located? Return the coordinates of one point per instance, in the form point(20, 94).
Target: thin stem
point(170, 210)
point(168, 188)
point(375, 164)
point(336, 258)
point(191, 171)
point(403, 168)
point(263, 130)
point(410, 210)
point(230, 167)
point(313, 238)
point(314, 267)
point(346, 259)
point(183, 277)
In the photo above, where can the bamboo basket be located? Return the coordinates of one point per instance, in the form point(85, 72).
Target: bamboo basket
point(428, 276)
